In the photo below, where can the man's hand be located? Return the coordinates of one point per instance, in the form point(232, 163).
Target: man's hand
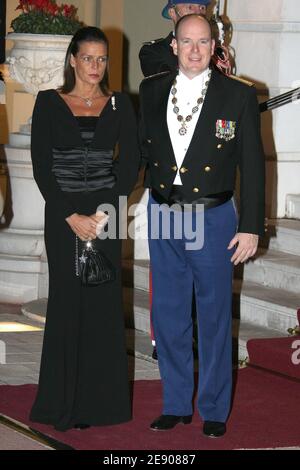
point(246, 247)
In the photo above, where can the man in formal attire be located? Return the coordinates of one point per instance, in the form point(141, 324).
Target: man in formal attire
point(157, 55)
point(197, 127)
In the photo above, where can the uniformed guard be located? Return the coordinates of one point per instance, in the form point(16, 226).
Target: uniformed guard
point(157, 55)
point(198, 127)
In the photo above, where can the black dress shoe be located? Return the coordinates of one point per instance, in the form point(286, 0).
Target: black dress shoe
point(165, 422)
point(214, 428)
point(81, 426)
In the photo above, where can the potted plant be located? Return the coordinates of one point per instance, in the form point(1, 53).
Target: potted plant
point(45, 17)
point(41, 35)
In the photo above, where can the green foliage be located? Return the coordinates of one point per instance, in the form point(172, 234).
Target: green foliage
point(36, 22)
point(46, 17)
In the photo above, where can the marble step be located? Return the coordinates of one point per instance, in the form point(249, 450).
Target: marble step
point(138, 325)
point(273, 269)
point(269, 307)
point(293, 206)
point(35, 310)
point(138, 317)
point(136, 308)
point(243, 331)
point(283, 235)
point(253, 303)
point(270, 268)
point(136, 273)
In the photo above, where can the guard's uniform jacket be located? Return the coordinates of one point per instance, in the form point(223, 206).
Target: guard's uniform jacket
point(157, 56)
point(227, 137)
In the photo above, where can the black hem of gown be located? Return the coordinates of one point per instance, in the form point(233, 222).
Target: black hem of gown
point(50, 422)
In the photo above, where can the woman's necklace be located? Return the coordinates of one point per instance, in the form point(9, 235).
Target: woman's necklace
point(183, 130)
point(88, 101)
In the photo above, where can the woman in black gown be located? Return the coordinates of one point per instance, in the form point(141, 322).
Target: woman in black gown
point(83, 377)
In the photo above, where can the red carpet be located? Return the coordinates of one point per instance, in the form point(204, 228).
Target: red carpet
point(275, 354)
point(266, 413)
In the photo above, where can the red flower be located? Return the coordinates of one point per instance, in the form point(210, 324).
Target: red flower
point(68, 10)
point(27, 5)
point(23, 5)
point(40, 4)
point(49, 7)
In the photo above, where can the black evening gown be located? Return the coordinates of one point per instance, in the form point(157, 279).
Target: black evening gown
point(83, 376)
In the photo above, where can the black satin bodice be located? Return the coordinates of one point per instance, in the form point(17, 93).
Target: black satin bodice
point(87, 125)
point(85, 168)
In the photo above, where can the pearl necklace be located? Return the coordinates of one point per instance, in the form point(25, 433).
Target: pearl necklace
point(183, 129)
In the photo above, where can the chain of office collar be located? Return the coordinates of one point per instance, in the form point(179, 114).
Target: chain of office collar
point(183, 121)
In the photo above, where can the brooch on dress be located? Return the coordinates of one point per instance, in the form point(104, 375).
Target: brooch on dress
point(113, 102)
point(225, 129)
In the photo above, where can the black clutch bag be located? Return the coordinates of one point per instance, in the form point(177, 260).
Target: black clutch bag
point(93, 267)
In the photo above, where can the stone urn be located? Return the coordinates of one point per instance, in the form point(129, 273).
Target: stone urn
point(37, 60)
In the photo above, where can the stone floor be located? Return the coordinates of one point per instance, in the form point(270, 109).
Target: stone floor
point(13, 440)
point(23, 352)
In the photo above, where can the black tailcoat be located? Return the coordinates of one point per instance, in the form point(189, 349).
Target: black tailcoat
point(211, 163)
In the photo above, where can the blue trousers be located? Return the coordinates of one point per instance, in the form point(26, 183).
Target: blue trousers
point(175, 270)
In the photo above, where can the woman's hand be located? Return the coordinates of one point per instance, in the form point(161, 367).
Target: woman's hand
point(83, 226)
point(87, 227)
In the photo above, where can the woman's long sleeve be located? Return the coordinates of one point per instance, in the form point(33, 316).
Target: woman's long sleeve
point(41, 155)
point(129, 152)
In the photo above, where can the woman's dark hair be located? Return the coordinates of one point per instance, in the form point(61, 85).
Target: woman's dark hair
point(86, 34)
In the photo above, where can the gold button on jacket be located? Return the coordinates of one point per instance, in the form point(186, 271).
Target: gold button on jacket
point(196, 190)
point(162, 186)
point(183, 170)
